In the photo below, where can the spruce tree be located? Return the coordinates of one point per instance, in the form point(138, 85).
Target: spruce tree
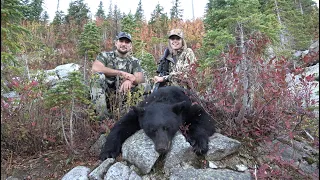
point(78, 12)
point(11, 31)
point(175, 12)
point(139, 17)
point(117, 19)
point(100, 12)
point(159, 21)
point(128, 24)
point(89, 41)
point(32, 9)
point(298, 20)
point(233, 22)
point(44, 17)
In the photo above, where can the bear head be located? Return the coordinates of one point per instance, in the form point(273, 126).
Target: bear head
point(160, 122)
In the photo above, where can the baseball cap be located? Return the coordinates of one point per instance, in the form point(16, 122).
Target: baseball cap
point(176, 32)
point(124, 35)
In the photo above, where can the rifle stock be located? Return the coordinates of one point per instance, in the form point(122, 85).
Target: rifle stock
point(163, 69)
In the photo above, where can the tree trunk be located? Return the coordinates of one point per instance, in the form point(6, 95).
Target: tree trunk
point(25, 58)
point(71, 124)
point(301, 10)
point(84, 67)
point(282, 35)
point(244, 66)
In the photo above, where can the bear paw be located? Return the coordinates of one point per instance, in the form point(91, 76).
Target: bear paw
point(109, 152)
point(200, 146)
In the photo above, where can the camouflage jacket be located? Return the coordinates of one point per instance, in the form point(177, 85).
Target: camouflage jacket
point(112, 60)
point(183, 61)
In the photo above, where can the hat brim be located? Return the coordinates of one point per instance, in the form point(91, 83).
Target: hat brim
point(124, 37)
point(175, 35)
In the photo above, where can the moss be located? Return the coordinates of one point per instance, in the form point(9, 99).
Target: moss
point(310, 160)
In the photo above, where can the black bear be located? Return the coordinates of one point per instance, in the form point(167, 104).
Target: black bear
point(161, 115)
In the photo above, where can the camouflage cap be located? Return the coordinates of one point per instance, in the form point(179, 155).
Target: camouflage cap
point(176, 32)
point(124, 35)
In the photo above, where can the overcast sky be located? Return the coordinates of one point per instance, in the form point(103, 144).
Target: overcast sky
point(126, 5)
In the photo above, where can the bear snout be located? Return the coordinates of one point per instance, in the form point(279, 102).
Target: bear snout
point(162, 142)
point(163, 147)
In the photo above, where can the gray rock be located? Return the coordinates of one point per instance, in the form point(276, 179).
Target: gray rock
point(181, 151)
point(241, 167)
point(101, 170)
point(12, 178)
point(117, 171)
point(221, 146)
point(140, 151)
point(208, 174)
point(96, 147)
point(121, 171)
point(212, 165)
point(77, 173)
point(60, 73)
point(312, 170)
point(63, 71)
point(134, 176)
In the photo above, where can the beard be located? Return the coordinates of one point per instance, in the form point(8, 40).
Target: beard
point(123, 50)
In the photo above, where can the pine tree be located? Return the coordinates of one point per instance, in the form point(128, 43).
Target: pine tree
point(78, 12)
point(89, 41)
point(11, 31)
point(58, 20)
point(159, 21)
point(128, 24)
point(117, 19)
point(32, 10)
point(100, 12)
point(175, 12)
point(297, 21)
point(89, 45)
point(70, 98)
point(45, 17)
point(233, 22)
point(139, 17)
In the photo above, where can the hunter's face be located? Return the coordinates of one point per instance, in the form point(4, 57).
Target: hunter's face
point(123, 45)
point(175, 42)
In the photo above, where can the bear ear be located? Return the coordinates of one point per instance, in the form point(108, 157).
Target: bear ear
point(138, 110)
point(179, 107)
point(196, 108)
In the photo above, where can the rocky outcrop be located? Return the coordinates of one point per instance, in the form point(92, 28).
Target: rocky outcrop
point(224, 160)
point(141, 161)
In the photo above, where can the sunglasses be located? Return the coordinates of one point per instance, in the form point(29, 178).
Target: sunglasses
point(175, 38)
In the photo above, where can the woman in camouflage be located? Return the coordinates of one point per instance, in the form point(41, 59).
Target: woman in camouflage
point(179, 58)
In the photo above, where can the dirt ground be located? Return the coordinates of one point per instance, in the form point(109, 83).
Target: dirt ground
point(53, 164)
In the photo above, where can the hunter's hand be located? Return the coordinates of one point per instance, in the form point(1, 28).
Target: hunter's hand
point(126, 86)
point(157, 79)
point(128, 76)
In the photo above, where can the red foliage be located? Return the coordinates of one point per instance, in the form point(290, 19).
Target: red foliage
point(271, 108)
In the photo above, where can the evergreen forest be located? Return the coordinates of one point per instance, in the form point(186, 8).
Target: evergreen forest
point(245, 50)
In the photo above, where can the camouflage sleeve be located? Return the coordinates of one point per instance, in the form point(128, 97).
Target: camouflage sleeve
point(136, 66)
point(183, 65)
point(190, 57)
point(102, 57)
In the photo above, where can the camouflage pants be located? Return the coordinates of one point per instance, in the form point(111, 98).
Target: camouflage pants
point(98, 89)
point(101, 93)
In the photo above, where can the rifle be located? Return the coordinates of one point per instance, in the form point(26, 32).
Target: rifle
point(163, 69)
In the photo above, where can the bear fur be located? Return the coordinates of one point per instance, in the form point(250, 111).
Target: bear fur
point(161, 115)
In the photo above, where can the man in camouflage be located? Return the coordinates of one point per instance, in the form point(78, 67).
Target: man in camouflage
point(114, 71)
point(180, 58)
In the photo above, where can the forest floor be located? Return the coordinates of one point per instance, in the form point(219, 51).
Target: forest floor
point(52, 164)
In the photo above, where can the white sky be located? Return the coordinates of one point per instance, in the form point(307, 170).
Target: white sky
point(126, 5)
